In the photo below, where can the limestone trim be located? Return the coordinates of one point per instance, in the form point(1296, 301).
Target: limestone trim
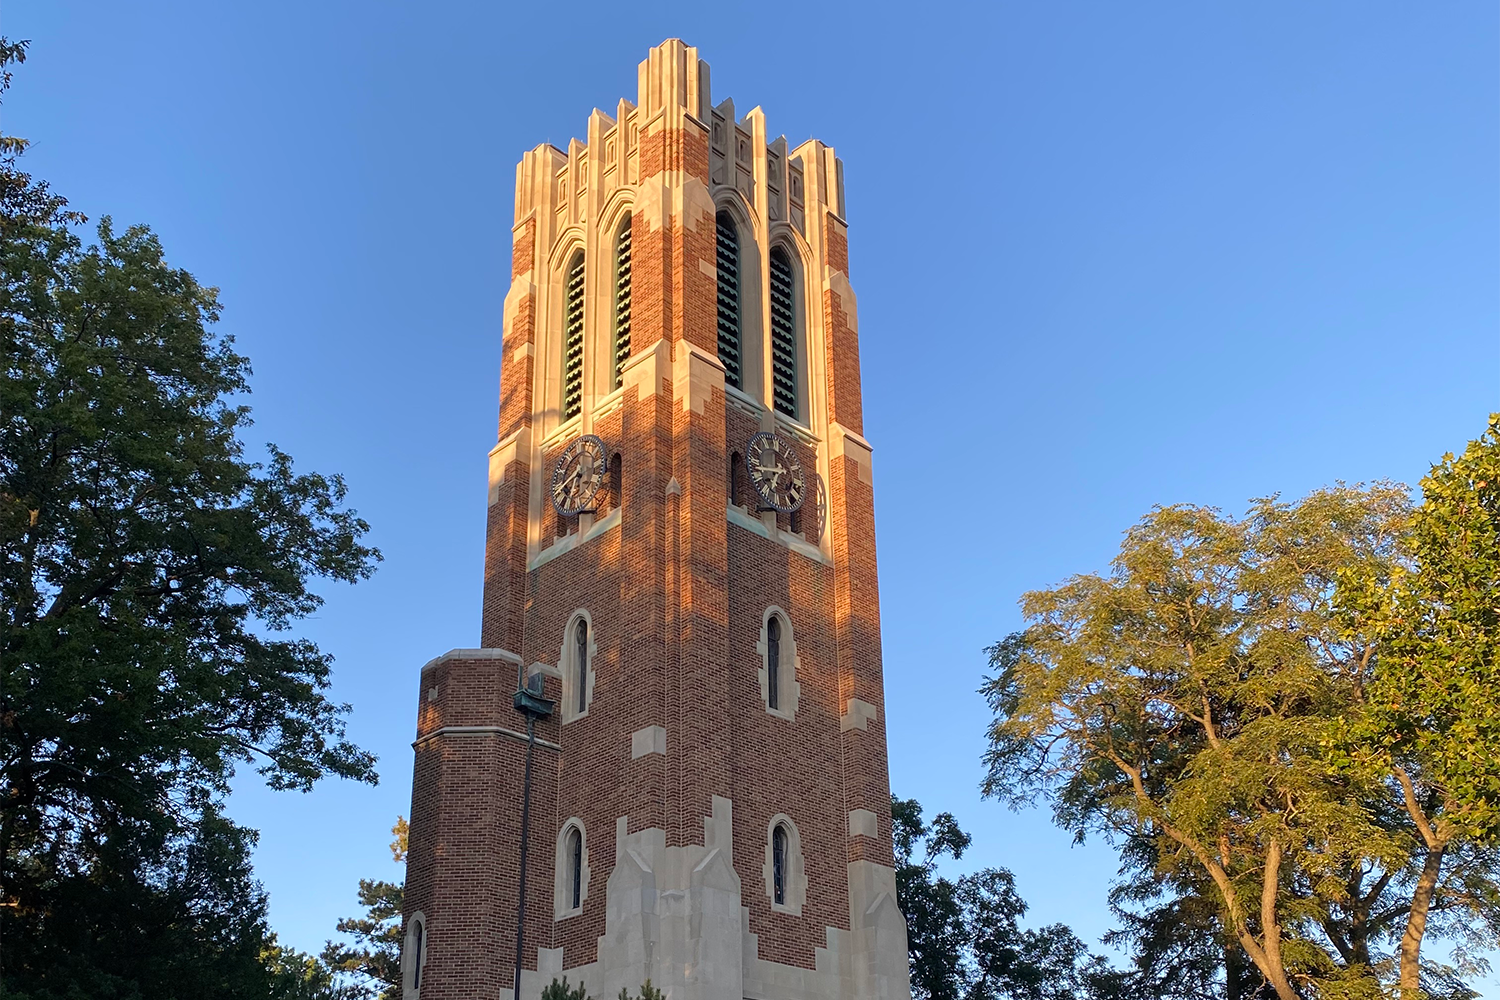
point(695, 376)
point(858, 715)
point(562, 871)
point(846, 443)
point(473, 654)
point(482, 731)
point(788, 691)
point(609, 403)
point(567, 663)
point(646, 368)
point(794, 889)
point(743, 401)
point(862, 823)
point(797, 429)
point(576, 540)
point(413, 956)
point(797, 543)
point(564, 431)
point(651, 739)
point(509, 449)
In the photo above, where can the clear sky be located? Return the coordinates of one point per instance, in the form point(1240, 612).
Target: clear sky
point(1107, 255)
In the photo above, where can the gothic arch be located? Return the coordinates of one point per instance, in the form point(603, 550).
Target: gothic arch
point(792, 876)
point(787, 358)
point(413, 955)
point(788, 691)
point(619, 207)
point(550, 323)
point(571, 870)
point(751, 281)
point(572, 705)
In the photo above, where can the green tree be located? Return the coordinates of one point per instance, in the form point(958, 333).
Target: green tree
point(1194, 698)
point(561, 991)
point(964, 936)
point(1433, 723)
point(370, 966)
point(150, 575)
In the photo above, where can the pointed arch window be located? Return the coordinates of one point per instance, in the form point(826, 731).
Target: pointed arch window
point(779, 865)
point(575, 868)
point(784, 868)
point(773, 663)
point(414, 954)
point(728, 244)
point(780, 691)
point(570, 872)
point(784, 333)
point(581, 663)
point(572, 360)
point(622, 299)
point(416, 959)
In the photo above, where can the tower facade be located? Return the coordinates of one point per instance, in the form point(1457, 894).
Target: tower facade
point(681, 557)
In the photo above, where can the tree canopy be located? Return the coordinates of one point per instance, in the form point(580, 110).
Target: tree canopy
point(1222, 707)
point(151, 575)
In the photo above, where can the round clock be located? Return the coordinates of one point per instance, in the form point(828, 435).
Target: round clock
point(775, 472)
point(578, 475)
point(820, 522)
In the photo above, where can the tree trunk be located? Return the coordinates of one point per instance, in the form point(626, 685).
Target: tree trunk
point(1416, 922)
point(1234, 972)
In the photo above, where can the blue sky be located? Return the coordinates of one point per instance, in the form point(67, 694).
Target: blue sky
point(1107, 256)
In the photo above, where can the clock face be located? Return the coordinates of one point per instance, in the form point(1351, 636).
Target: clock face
point(820, 524)
point(578, 475)
point(776, 472)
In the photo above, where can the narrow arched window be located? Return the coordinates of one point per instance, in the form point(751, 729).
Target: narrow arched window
point(736, 479)
point(778, 865)
point(729, 298)
point(622, 300)
point(773, 663)
point(783, 332)
point(416, 955)
point(572, 360)
point(616, 480)
point(581, 662)
point(575, 868)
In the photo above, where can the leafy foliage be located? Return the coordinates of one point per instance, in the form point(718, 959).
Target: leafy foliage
point(1433, 718)
point(1195, 706)
point(560, 991)
point(370, 967)
point(149, 577)
point(964, 937)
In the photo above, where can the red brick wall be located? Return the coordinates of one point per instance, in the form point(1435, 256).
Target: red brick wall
point(676, 596)
point(463, 868)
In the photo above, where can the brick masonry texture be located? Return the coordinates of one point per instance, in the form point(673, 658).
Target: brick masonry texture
point(676, 591)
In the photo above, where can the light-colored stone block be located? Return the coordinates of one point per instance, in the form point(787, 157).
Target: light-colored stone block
point(652, 739)
point(858, 715)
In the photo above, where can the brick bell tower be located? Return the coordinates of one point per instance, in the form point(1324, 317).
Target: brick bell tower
point(680, 555)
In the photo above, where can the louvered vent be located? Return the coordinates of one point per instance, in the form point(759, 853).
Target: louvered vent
point(729, 299)
point(572, 397)
point(783, 334)
point(622, 299)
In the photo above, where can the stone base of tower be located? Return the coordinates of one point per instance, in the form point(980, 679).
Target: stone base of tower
point(674, 915)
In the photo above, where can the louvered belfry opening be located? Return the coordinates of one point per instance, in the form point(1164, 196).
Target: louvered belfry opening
point(572, 395)
point(783, 333)
point(622, 300)
point(729, 298)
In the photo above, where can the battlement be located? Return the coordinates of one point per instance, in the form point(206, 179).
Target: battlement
point(574, 186)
